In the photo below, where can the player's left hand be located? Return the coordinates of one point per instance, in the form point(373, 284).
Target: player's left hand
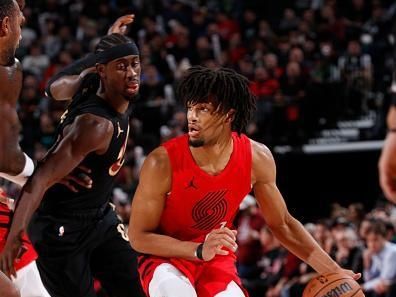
point(120, 25)
point(13, 250)
point(81, 178)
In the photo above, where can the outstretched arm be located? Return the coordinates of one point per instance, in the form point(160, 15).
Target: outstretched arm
point(147, 207)
point(284, 226)
point(87, 134)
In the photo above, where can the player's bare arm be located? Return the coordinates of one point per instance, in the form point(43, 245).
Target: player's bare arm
point(387, 161)
point(11, 78)
point(9, 141)
point(65, 84)
point(284, 226)
point(147, 206)
point(88, 133)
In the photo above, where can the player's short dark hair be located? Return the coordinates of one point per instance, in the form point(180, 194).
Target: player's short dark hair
point(7, 8)
point(223, 87)
point(111, 40)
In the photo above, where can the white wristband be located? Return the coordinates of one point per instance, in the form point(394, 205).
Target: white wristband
point(21, 178)
point(29, 167)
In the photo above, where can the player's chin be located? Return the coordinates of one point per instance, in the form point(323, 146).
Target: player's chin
point(194, 142)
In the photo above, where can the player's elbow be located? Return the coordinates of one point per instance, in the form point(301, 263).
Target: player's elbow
point(135, 240)
point(63, 88)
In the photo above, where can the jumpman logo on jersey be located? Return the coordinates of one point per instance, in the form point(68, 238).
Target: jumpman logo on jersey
point(119, 130)
point(191, 184)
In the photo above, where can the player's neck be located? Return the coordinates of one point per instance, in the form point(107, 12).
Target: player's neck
point(213, 158)
point(117, 102)
point(5, 59)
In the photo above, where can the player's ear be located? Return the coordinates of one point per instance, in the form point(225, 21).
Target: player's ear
point(5, 26)
point(230, 115)
point(100, 70)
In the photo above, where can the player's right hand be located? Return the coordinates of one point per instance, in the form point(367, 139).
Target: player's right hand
point(216, 241)
point(12, 251)
point(120, 25)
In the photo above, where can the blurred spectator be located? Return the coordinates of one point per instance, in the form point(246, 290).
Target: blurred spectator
point(270, 265)
point(249, 222)
point(348, 253)
point(356, 70)
point(379, 263)
point(36, 61)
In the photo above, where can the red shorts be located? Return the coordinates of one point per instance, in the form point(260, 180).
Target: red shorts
point(208, 278)
point(30, 254)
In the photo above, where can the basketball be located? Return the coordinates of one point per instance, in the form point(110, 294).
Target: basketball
point(334, 285)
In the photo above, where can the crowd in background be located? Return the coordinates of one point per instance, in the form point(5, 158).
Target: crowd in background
point(311, 63)
point(361, 240)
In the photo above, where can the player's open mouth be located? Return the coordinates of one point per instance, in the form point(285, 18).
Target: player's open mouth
point(193, 132)
point(132, 87)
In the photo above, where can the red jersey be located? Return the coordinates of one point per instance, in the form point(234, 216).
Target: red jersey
point(30, 255)
point(198, 203)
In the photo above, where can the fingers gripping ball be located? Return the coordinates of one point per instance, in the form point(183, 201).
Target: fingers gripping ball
point(332, 285)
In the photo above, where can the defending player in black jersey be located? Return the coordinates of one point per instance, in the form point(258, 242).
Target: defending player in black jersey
point(77, 235)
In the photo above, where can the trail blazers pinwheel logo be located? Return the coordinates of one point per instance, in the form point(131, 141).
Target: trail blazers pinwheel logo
point(210, 211)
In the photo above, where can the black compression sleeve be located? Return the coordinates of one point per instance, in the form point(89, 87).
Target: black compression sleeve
point(74, 68)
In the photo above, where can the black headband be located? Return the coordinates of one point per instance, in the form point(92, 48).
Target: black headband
point(115, 52)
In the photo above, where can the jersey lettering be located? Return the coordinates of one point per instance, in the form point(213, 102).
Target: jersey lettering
point(113, 170)
point(63, 116)
point(124, 234)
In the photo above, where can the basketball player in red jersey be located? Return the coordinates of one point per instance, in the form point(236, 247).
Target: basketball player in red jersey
point(190, 189)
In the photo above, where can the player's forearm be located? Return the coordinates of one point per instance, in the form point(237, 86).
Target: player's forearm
point(163, 246)
point(70, 77)
point(391, 117)
point(65, 87)
point(23, 168)
point(12, 160)
point(295, 238)
point(26, 205)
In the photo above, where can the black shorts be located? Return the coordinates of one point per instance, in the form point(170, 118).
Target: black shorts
point(75, 250)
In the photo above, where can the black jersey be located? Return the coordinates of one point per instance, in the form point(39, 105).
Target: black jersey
point(104, 168)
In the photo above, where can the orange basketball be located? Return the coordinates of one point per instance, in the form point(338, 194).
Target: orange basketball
point(333, 285)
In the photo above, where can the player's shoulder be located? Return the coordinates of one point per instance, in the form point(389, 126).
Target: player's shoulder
point(158, 159)
point(260, 152)
point(98, 126)
point(263, 163)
